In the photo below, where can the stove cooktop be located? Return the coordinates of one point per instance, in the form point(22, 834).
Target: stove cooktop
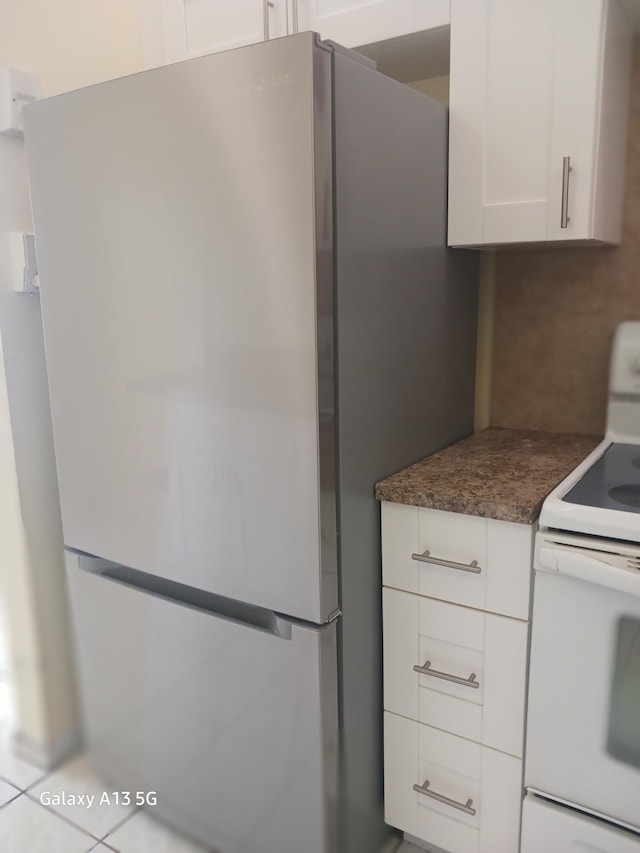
point(612, 482)
point(601, 496)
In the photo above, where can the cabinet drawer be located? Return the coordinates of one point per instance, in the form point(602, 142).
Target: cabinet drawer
point(456, 641)
point(479, 789)
point(479, 562)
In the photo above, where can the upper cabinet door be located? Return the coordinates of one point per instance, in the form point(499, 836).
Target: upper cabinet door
point(589, 121)
point(358, 22)
point(180, 29)
point(538, 98)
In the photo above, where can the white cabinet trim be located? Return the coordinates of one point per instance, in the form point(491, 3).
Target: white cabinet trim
point(164, 38)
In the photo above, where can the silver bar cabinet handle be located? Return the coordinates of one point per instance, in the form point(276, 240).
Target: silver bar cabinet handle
point(294, 3)
point(426, 557)
point(463, 807)
point(564, 215)
point(265, 17)
point(446, 676)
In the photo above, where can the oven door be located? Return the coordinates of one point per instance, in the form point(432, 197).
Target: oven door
point(555, 829)
point(583, 731)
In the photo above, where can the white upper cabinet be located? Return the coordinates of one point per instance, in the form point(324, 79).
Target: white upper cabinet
point(539, 96)
point(178, 29)
point(357, 22)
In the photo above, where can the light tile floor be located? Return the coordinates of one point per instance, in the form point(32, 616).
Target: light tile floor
point(29, 826)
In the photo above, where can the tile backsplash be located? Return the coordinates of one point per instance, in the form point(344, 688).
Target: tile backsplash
point(555, 314)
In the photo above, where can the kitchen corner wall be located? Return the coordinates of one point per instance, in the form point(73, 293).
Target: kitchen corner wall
point(555, 314)
point(31, 571)
point(67, 44)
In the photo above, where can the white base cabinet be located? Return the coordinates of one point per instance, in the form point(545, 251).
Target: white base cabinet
point(539, 97)
point(449, 791)
point(456, 604)
point(455, 668)
point(491, 558)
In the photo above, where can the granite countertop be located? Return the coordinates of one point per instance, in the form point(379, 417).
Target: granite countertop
point(497, 473)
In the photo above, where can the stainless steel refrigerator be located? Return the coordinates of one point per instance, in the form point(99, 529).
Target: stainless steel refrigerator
point(250, 316)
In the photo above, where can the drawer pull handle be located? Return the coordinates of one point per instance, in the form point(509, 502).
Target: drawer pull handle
point(463, 807)
point(446, 676)
point(425, 557)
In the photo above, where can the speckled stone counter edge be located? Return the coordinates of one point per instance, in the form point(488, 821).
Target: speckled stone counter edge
point(498, 473)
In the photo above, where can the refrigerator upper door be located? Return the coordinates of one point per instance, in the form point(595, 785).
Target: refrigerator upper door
point(184, 233)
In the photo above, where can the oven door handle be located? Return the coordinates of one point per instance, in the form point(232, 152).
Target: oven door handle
point(587, 568)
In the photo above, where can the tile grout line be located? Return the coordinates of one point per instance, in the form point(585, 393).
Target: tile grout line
point(13, 784)
point(7, 743)
point(96, 842)
point(29, 786)
point(39, 780)
point(126, 818)
point(51, 775)
point(61, 816)
point(17, 794)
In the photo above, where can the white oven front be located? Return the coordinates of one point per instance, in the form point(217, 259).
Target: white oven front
point(583, 727)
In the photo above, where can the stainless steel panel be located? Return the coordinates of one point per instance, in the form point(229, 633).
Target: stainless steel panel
point(325, 319)
point(406, 332)
point(224, 608)
point(175, 216)
point(234, 727)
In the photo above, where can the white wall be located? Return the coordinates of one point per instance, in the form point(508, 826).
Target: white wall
point(68, 44)
point(71, 43)
point(31, 542)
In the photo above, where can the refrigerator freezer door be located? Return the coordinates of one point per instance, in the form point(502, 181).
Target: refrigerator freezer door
point(234, 726)
point(184, 226)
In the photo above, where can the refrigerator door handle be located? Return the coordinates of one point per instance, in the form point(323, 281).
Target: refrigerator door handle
point(217, 606)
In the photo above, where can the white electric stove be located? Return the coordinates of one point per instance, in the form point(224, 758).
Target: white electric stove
point(582, 760)
point(601, 497)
